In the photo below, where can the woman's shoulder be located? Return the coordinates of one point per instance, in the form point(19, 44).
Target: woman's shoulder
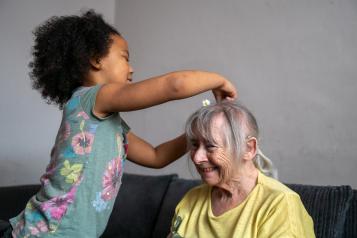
point(197, 192)
point(202, 188)
point(278, 197)
point(283, 208)
point(195, 195)
point(275, 188)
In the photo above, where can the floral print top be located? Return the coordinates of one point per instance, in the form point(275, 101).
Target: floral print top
point(83, 177)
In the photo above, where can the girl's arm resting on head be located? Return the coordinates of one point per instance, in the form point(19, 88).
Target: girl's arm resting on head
point(119, 97)
point(142, 153)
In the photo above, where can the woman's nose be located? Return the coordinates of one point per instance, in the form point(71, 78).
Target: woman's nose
point(199, 155)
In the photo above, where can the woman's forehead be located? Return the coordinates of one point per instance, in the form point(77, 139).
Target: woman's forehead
point(212, 133)
point(218, 128)
point(218, 123)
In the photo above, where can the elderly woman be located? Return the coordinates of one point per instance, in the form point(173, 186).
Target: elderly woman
point(238, 197)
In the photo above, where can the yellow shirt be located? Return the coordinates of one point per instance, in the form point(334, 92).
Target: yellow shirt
point(270, 210)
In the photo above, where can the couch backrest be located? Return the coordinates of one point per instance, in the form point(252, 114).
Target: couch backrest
point(351, 218)
point(13, 199)
point(137, 206)
point(145, 206)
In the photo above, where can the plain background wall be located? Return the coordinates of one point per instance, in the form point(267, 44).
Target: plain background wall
point(28, 125)
point(293, 62)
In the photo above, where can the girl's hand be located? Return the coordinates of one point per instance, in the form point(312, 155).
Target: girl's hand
point(226, 91)
point(122, 97)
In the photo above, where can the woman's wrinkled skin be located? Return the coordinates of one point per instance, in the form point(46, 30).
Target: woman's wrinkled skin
point(232, 179)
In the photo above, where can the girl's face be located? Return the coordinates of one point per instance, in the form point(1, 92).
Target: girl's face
point(115, 65)
point(213, 162)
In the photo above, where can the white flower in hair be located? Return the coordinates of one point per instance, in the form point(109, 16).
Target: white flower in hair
point(206, 102)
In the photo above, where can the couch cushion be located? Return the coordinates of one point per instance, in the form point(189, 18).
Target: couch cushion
point(351, 219)
point(137, 206)
point(14, 199)
point(175, 193)
point(327, 205)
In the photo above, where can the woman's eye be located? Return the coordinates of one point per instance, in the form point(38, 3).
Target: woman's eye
point(194, 146)
point(210, 147)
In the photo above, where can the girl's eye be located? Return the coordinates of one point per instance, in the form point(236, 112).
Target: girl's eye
point(125, 57)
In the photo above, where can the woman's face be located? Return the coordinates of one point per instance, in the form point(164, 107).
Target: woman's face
point(212, 161)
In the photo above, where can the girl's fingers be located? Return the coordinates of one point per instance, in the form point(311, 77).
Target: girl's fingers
point(229, 98)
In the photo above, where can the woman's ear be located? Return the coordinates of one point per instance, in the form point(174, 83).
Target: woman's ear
point(251, 148)
point(95, 63)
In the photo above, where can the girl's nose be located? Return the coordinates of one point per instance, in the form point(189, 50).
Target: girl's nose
point(199, 155)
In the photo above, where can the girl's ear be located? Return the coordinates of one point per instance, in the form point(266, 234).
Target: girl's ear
point(95, 63)
point(251, 149)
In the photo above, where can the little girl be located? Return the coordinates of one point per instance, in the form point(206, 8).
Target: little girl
point(82, 64)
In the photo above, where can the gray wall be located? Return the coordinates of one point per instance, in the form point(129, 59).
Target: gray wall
point(27, 124)
point(293, 62)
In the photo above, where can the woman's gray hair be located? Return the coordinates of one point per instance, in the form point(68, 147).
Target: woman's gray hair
point(240, 126)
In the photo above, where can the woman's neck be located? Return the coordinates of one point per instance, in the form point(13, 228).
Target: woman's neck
point(229, 195)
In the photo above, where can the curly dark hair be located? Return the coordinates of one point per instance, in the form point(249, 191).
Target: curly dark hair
point(62, 52)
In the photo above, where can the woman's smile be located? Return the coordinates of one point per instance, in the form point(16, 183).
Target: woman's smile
point(208, 170)
point(208, 173)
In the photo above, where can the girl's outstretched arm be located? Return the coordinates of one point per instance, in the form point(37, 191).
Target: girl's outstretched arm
point(119, 97)
point(142, 153)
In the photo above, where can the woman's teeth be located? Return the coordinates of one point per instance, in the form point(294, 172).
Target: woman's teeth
point(206, 170)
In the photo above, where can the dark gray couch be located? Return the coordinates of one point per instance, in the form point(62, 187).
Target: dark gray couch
point(145, 206)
